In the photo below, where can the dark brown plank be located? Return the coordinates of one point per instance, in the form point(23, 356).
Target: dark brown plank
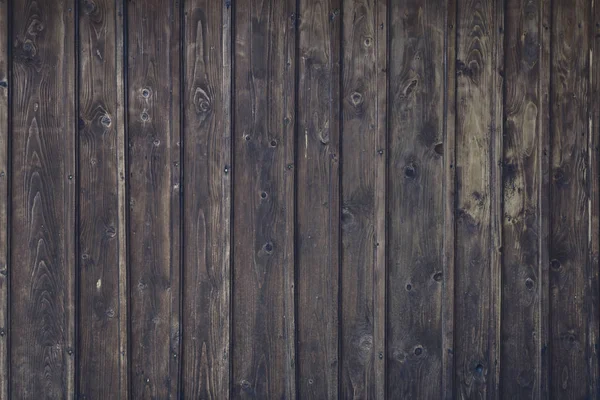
point(478, 233)
point(381, 32)
point(449, 244)
point(416, 199)
point(263, 229)
point(4, 199)
point(154, 196)
point(572, 272)
point(362, 148)
point(522, 191)
point(43, 200)
point(121, 151)
point(207, 199)
point(544, 179)
point(318, 196)
point(100, 301)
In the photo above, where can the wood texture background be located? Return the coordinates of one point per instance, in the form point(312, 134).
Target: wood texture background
point(312, 199)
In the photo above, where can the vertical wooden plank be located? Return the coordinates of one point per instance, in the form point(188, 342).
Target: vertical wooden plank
point(574, 319)
point(43, 200)
point(120, 124)
point(449, 187)
point(207, 199)
point(100, 294)
point(478, 234)
point(521, 183)
point(263, 227)
point(4, 219)
point(318, 197)
point(416, 199)
point(594, 204)
point(363, 146)
point(154, 182)
point(381, 32)
point(544, 199)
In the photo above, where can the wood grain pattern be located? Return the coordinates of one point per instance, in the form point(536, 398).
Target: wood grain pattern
point(381, 31)
point(154, 197)
point(416, 208)
point(360, 105)
point(99, 299)
point(299, 199)
point(521, 184)
point(478, 135)
point(4, 200)
point(449, 187)
point(574, 319)
point(43, 200)
point(263, 297)
point(207, 200)
point(318, 197)
point(121, 150)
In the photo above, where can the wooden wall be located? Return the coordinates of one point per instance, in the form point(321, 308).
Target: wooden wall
point(312, 199)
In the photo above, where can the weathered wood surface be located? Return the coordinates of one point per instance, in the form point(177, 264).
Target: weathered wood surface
point(43, 182)
point(359, 199)
point(100, 313)
point(207, 181)
point(263, 227)
point(154, 178)
point(318, 198)
point(416, 199)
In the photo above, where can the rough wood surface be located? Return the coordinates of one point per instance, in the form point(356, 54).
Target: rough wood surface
point(42, 200)
point(521, 184)
point(572, 276)
point(99, 225)
point(4, 200)
point(363, 146)
point(478, 159)
point(318, 197)
point(207, 200)
point(416, 199)
point(263, 227)
point(294, 199)
point(154, 197)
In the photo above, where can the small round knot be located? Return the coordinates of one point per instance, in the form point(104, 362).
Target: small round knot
point(273, 143)
point(145, 93)
point(145, 116)
point(410, 171)
point(356, 98)
point(555, 264)
point(368, 41)
point(438, 276)
point(408, 287)
point(439, 148)
point(105, 120)
point(418, 351)
point(529, 283)
point(263, 195)
point(269, 247)
point(156, 142)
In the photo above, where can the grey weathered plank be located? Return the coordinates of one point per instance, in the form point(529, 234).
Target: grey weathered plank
point(263, 228)
point(43, 200)
point(4, 201)
point(478, 197)
point(522, 278)
point(154, 196)
point(100, 298)
point(363, 162)
point(573, 272)
point(318, 196)
point(416, 199)
point(207, 199)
